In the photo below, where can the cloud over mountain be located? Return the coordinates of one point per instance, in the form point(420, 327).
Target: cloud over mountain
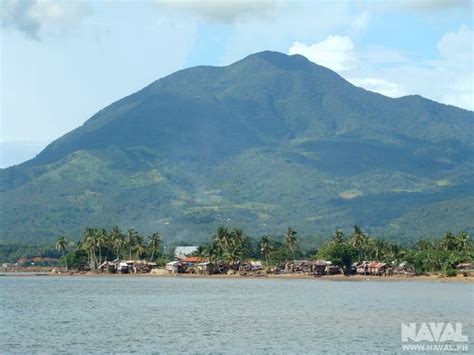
point(30, 17)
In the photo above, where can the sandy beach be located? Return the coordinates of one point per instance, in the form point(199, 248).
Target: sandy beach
point(435, 277)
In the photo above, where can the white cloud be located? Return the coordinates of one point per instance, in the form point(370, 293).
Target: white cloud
point(222, 11)
point(287, 22)
point(457, 46)
point(447, 78)
point(335, 52)
point(32, 17)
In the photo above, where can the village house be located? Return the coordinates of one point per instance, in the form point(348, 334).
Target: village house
point(362, 267)
point(206, 268)
point(333, 270)
point(405, 268)
point(174, 267)
point(319, 267)
point(127, 266)
point(376, 268)
point(313, 267)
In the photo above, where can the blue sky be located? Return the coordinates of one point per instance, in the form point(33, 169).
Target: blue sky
point(62, 61)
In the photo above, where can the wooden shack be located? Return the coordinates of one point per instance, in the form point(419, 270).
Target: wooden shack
point(206, 268)
point(376, 268)
point(174, 267)
point(319, 267)
point(362, 267)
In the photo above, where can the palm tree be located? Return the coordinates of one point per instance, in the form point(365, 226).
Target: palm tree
point(213, 252)
point(359, 242)
point(132, 236)
point(338, 237)
point(118, 240)
point(234, 245)
point(222, 237)
point(290, 239)
point(61, 245)
point(101, 240)
point(266, 248)
point(155, 243)
point(221, 247)
point(201, 251)
point(90, 244)
point(463, 243)
point(378, 247)
point(139, 249)
point(237, 238)
point(449, 242)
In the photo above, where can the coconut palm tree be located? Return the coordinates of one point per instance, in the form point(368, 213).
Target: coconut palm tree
point(338, 237)
point(222, 237)
point(61, 245)
point(266, 248)
point(213, 252)
point(463, 243)
point(132, 237)
point(90, 245)
point(378, 248)
point(449, 242)
point(290, 239)
point(154, 243)
point(359, 242)
point(139, 249)
point(102, 241)
point(118, 240)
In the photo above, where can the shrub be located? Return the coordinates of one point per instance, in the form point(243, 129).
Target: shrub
point(451, 272)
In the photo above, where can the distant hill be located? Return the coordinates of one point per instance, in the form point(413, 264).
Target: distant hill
point(268, 142)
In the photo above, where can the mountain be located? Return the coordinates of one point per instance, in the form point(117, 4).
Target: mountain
point(268, 142)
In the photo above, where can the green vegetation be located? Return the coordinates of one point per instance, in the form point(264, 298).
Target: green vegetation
point(426, 256)
point(266, 142)
point(231, 246)
point(99, 245)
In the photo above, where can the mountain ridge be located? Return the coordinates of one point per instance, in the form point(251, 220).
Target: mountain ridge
point(173, 146)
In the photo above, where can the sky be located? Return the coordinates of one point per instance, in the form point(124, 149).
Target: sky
point(62, 61)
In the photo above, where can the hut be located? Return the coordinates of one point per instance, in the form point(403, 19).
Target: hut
point(174, 267)
point(123, 268)
point(362, 267)
point(319, 267)
point(108, 266)
point(404, 268)
point(205, 268)
point(376, 268)
point(299, 266)
point(333, 270)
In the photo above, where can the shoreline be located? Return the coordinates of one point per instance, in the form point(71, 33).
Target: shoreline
point(342, 278)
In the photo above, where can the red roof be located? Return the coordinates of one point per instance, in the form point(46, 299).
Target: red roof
point(377, 264)
point(193, 259)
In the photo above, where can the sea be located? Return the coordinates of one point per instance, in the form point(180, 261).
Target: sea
point(74, 314)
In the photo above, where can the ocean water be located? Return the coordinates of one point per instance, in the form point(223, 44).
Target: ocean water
point(185, 315)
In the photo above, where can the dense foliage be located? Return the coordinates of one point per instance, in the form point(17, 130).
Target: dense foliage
point(268, 141)
point(231, 246)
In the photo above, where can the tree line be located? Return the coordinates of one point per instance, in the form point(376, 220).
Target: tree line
point(230, 246)
point(99, 245)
